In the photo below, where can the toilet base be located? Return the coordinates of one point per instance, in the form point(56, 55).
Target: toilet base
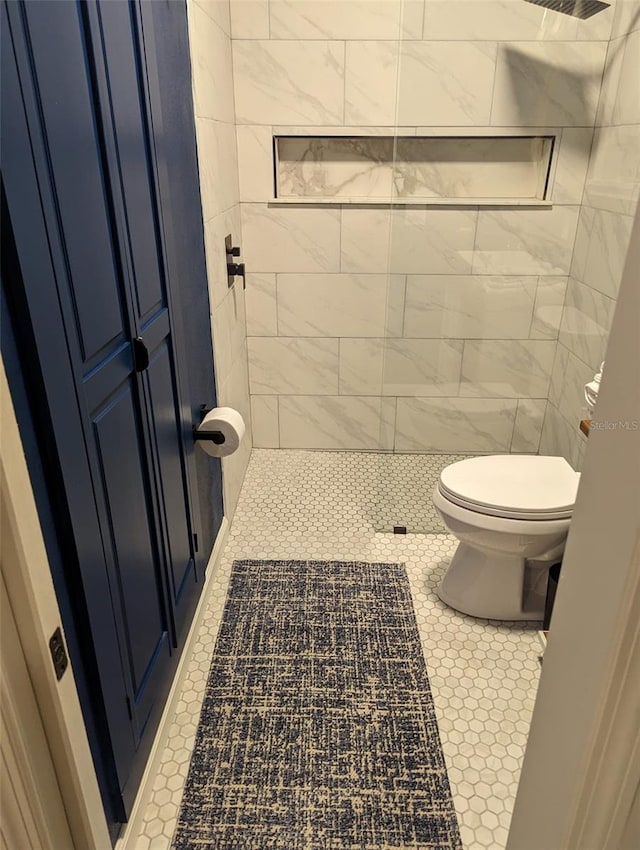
point(492, 585)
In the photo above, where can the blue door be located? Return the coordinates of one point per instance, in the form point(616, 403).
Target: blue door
point(89, 188)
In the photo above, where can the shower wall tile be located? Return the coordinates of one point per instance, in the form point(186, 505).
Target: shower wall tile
point(412, 19)
point(627, 17)
point(234, 392)
point(255, 162)
point(469, 306)
point(217, 10)
point(572, 405)
point(280, 365)
point(315, 19)
point(453, 314)
point(528, 425)
point(262, 313)
point(557, 375)
point(249, 19)
point(336, 422)
point(422, 367)
point(520, 241)
point(400, 367)
point(212, 78)
point(215, 230)
point(454, 424)
point(287, 239)
point(626, 109)
point(432, 241)
point(229, 332)
point(365, 237)
point(560, 439)
point(361, 366)
point(264, 421)
point(507, 20)
point(371, 79)
point(573, 161)
point(446, 83)
point(586, 322)
point(601, 249)
point(340, 305)
point(218, 165)
point(507, 368)
point(547, 313)
point(289, 82)
point(621, 83)
point(548, 84)
point(613, 180)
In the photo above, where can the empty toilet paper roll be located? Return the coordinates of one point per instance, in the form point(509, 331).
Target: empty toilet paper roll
point(220, 432)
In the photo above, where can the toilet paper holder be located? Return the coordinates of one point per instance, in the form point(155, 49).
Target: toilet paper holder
point(216, 437)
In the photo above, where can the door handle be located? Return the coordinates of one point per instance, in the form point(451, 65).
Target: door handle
point(140, 354)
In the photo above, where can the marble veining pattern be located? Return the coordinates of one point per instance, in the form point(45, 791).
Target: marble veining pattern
point(509, 368)
point(454, 424)
point(446, 83)
point(282, 240)
point(586, 322)
point(547, 312)
point(414, 168)
point(400, 367)
point(282, 365)
point(427, 241)
point(336, 422)
point(525, 241)
point(333, 168)
point(468, 306)
point(507, 20)
point(552, 84)
point(528, 425)
point(340, 305)
point(289, 82)
point(349, 19)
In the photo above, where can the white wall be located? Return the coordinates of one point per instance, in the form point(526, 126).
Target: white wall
point(606, 216)
point(471, 296)
point(580, 761)
point(209, 33)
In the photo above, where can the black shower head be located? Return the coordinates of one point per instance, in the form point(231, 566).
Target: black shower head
point(577, 8)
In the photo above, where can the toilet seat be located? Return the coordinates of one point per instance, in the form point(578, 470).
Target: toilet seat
point(521, 487)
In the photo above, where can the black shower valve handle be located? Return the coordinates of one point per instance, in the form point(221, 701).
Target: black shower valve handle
point(236, 270)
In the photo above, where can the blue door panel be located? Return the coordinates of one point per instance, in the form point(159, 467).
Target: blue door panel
point(172, 471)
point(65, 100)
point(126, 103)
point(131, 531)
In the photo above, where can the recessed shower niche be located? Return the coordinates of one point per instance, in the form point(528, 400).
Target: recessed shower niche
point(475, 170)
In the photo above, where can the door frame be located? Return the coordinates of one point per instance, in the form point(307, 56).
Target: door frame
point(581, 769)
point(32, 598)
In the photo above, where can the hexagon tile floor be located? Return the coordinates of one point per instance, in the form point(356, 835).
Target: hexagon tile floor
point(483, 674)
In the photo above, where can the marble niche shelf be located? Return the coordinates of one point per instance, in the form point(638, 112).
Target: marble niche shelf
point(413, 170)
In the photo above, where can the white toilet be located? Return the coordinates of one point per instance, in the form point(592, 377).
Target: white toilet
point(511, 514)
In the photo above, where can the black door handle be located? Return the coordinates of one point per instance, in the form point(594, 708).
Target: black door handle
point(140, 354)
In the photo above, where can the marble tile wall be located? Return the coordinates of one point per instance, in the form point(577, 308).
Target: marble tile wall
point(415, 328)
point(213, 93)
point(610, 199)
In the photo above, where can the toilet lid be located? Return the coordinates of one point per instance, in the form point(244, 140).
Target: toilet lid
point(506, 484)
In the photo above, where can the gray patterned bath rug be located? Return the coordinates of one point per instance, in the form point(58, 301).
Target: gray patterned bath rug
point(317, 730)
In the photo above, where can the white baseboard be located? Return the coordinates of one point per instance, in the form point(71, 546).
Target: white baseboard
point(131, 829)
